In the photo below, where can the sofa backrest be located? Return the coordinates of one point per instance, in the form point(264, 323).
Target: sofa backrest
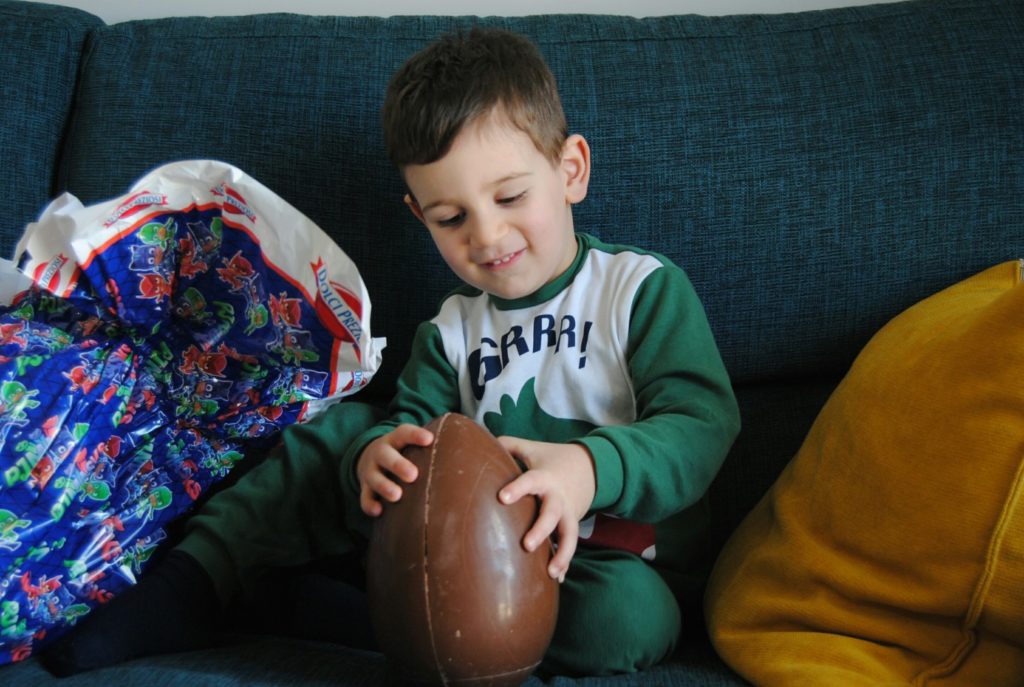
point(814, 173)
point(40, 48)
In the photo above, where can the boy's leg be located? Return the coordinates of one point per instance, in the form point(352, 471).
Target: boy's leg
point(615, 615)
point(286, 511)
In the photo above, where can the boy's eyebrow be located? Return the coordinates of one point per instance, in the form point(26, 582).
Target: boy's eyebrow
point(496, 182)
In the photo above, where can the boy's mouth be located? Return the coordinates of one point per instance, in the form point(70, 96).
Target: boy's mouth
point(504, 260)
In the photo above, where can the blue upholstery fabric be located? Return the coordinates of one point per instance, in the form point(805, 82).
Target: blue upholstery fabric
point(269, 662)
point(39, 54)
point(815, 174)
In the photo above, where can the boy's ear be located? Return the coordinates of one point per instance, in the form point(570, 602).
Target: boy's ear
point(576, 166)
point(414, 206)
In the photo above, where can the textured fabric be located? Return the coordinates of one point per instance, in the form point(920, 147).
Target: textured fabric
point(615, 615)
point(636, 379)
point(38, 65)
point(891, 550)
point(815, 173)
point(277, 662)
point(286, 511)
point(639, 343)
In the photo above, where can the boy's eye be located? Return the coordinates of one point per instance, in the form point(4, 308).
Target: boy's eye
point(512, 199)
point(453, 221)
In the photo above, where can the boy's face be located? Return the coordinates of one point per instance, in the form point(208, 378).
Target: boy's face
point(498, 210)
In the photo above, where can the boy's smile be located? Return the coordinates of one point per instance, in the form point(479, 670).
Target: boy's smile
point(499, 211)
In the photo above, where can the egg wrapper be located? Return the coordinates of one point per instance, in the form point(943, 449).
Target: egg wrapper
point(146, 343)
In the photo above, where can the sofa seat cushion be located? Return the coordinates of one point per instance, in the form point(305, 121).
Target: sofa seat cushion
point(891, 548)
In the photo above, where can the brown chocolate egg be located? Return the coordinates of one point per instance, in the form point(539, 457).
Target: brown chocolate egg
point(454, 597)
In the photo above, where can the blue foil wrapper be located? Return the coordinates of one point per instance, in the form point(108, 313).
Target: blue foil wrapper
point(145, 342)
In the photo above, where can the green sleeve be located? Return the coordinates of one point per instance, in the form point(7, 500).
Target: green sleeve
point(428, 387)
point(687, 416)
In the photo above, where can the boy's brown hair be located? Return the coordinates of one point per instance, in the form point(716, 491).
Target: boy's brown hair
point(460, 77)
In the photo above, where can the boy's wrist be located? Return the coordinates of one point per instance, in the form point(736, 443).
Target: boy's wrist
point(607, 470)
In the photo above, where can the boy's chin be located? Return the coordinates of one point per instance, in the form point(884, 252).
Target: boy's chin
point(510, 292)
point(504, 294)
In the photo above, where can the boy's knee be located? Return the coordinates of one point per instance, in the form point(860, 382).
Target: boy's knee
point(616, 615)
point(330, 433)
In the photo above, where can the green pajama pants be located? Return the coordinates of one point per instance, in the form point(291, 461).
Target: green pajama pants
point(616, 614)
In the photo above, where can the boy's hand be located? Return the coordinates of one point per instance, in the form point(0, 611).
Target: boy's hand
point(382, 464)
point(562, 477)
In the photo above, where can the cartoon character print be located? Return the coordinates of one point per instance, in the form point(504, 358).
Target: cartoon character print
point(198, 247)
point(284, 311)
point(86, 376)
point(191, 307)
point(14, 629)
point(212, 392)
point(221, 463)
point(251, 425)
point(14, 340)
point(10, 334)
point(137, 554)
point(294, 345)
point(155, 287)
point(138, 396)
point(66, 441)
point(239, 275)
point(145, 506)
point(146, 258)
point(46, 596)
point(103, 547)
point(212, 362)
point(15, 402)
point(49, 339)
point(86, 581)
point(194, 391)
point(158, 234)
point(200, 396)
point(9, 524)
point(154, 259)
point(91, 481)
point(30, 451)
point(22, 591)
point(297, 384)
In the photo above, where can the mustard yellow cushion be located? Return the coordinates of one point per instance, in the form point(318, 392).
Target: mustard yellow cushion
point(890, 551)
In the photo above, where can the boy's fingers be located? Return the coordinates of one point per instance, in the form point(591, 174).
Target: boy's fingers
point(517, 488)
point(540, 532)
point(402, 468)
point(380, 487)
point(369, 503)
point(517, 447)
point(410, 434)
point(567, 539)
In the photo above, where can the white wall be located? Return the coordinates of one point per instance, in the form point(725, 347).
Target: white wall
point(121, 10)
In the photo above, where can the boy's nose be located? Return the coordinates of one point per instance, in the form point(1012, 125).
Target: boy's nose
point(485, 231)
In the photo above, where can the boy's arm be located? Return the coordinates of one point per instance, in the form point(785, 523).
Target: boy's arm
point(687, 416)
point(426, 388)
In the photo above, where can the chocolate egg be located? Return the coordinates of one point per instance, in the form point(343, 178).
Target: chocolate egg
point(454, 597)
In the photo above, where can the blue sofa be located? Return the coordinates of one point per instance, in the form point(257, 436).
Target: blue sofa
point(815, 173)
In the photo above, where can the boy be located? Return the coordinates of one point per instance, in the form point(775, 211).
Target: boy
point(593, 364)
